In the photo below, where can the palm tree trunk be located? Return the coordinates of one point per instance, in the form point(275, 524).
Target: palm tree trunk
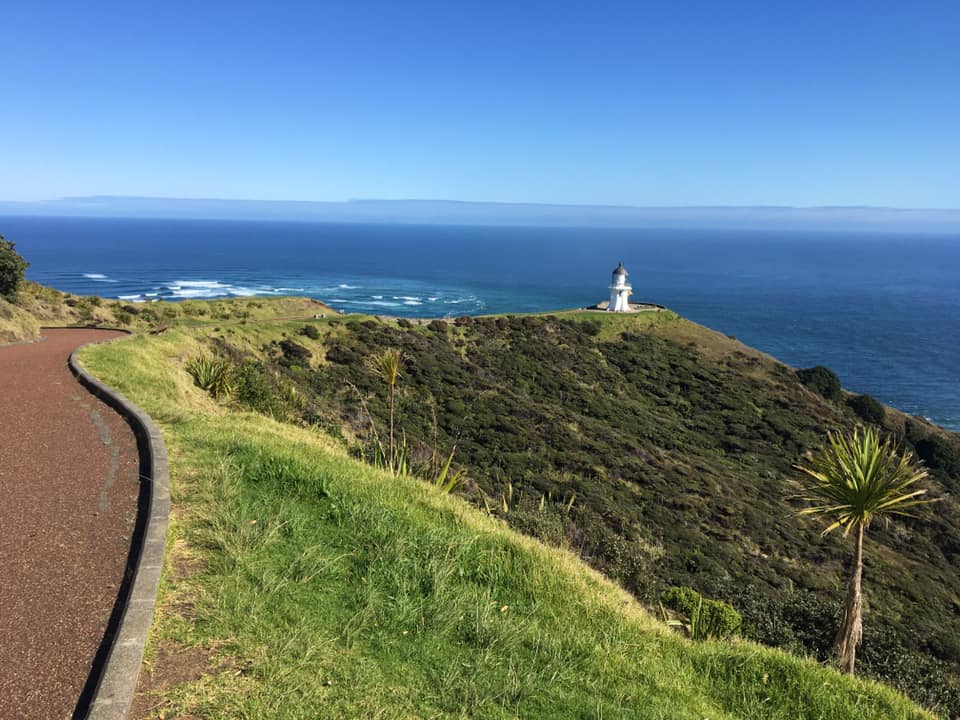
point(393, 456)
point(851, 624)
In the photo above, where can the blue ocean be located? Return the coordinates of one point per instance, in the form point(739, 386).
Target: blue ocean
point(882, 310)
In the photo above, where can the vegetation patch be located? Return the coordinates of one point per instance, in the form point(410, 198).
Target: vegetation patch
point(323, 587)
point(661, 453)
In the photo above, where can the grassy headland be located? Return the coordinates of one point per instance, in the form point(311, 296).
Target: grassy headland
point(303, 583)
point(37, 305)
point(656, 450)
point(659, 451)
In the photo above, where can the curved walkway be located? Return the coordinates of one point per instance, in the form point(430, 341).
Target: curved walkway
point(69, 487)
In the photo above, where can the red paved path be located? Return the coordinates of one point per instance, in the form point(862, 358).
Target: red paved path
point(68, 501)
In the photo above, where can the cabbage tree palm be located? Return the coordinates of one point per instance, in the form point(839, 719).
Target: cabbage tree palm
point(854, 479)
point(389, 366)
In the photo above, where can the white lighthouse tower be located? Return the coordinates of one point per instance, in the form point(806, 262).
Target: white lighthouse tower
point(620, 290)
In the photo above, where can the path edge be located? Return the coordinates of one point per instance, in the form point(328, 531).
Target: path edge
point(117, 684)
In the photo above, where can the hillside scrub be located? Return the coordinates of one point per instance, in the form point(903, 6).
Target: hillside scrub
point(821, 380)
point(662, 454)
point(317, 586)
point(867, 409)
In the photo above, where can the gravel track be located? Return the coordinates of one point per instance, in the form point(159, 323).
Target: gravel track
point(69, 484)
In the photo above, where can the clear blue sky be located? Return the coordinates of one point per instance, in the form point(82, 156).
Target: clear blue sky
point(670, 103)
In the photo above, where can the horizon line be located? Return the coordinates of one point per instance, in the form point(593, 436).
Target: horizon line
point(512, 203)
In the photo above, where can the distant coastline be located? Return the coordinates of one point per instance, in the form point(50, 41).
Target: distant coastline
point(452, 212)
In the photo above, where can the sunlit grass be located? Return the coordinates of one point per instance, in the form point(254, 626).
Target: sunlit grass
point(336, 590)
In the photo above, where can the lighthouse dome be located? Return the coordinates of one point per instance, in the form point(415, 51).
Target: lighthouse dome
point(620, 269)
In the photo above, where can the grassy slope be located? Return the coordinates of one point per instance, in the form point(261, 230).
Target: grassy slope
point(49, 307)
point(17, 324)
point(678, 443)
point(319, 587)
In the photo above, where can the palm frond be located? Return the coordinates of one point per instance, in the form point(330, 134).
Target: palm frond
point(857, 477)
point(389, 365)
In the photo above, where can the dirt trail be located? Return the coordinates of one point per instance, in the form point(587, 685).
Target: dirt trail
point(68, 502)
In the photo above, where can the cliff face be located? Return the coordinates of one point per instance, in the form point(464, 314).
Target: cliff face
point(659, 450)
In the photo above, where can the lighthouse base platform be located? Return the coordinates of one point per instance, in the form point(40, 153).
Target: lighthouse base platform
point(632, 307)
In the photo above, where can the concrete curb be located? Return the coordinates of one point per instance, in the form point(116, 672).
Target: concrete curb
point(117, 683)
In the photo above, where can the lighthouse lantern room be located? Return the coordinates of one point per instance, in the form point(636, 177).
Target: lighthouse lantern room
point(620, 290)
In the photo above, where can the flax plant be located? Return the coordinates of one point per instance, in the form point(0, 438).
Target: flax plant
point(389, 365)
point(854, 479)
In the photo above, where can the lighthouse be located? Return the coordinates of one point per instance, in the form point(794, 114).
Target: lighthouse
point(620, 290)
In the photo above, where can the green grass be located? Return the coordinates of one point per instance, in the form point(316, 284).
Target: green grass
point(677, 445)
point(321, 587)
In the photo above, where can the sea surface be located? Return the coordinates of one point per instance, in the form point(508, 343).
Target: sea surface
point(880, 309)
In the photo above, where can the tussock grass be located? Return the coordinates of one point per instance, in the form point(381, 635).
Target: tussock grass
point(339, 591)
point(16, 324)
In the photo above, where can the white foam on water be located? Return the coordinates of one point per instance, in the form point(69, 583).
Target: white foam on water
point(377, 297)
point(412, 302)
point(129, 297)
point(383, 303)
point(192, 289)
point(99, 277)
point(344, 286)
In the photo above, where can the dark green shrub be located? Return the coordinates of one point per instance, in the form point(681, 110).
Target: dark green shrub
point(929, 680)
point(131, 309)
point(797, 620)
point(708, 619)
point(939, 454)
point(294, 353)
point(404, 323)
point(867, 409)
point(681, 598)
point(310, 331)
point(12, 267)
point(254, 390)
point(341, 355)
point(821, 380)
point(591, 328)
point(437, 326)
